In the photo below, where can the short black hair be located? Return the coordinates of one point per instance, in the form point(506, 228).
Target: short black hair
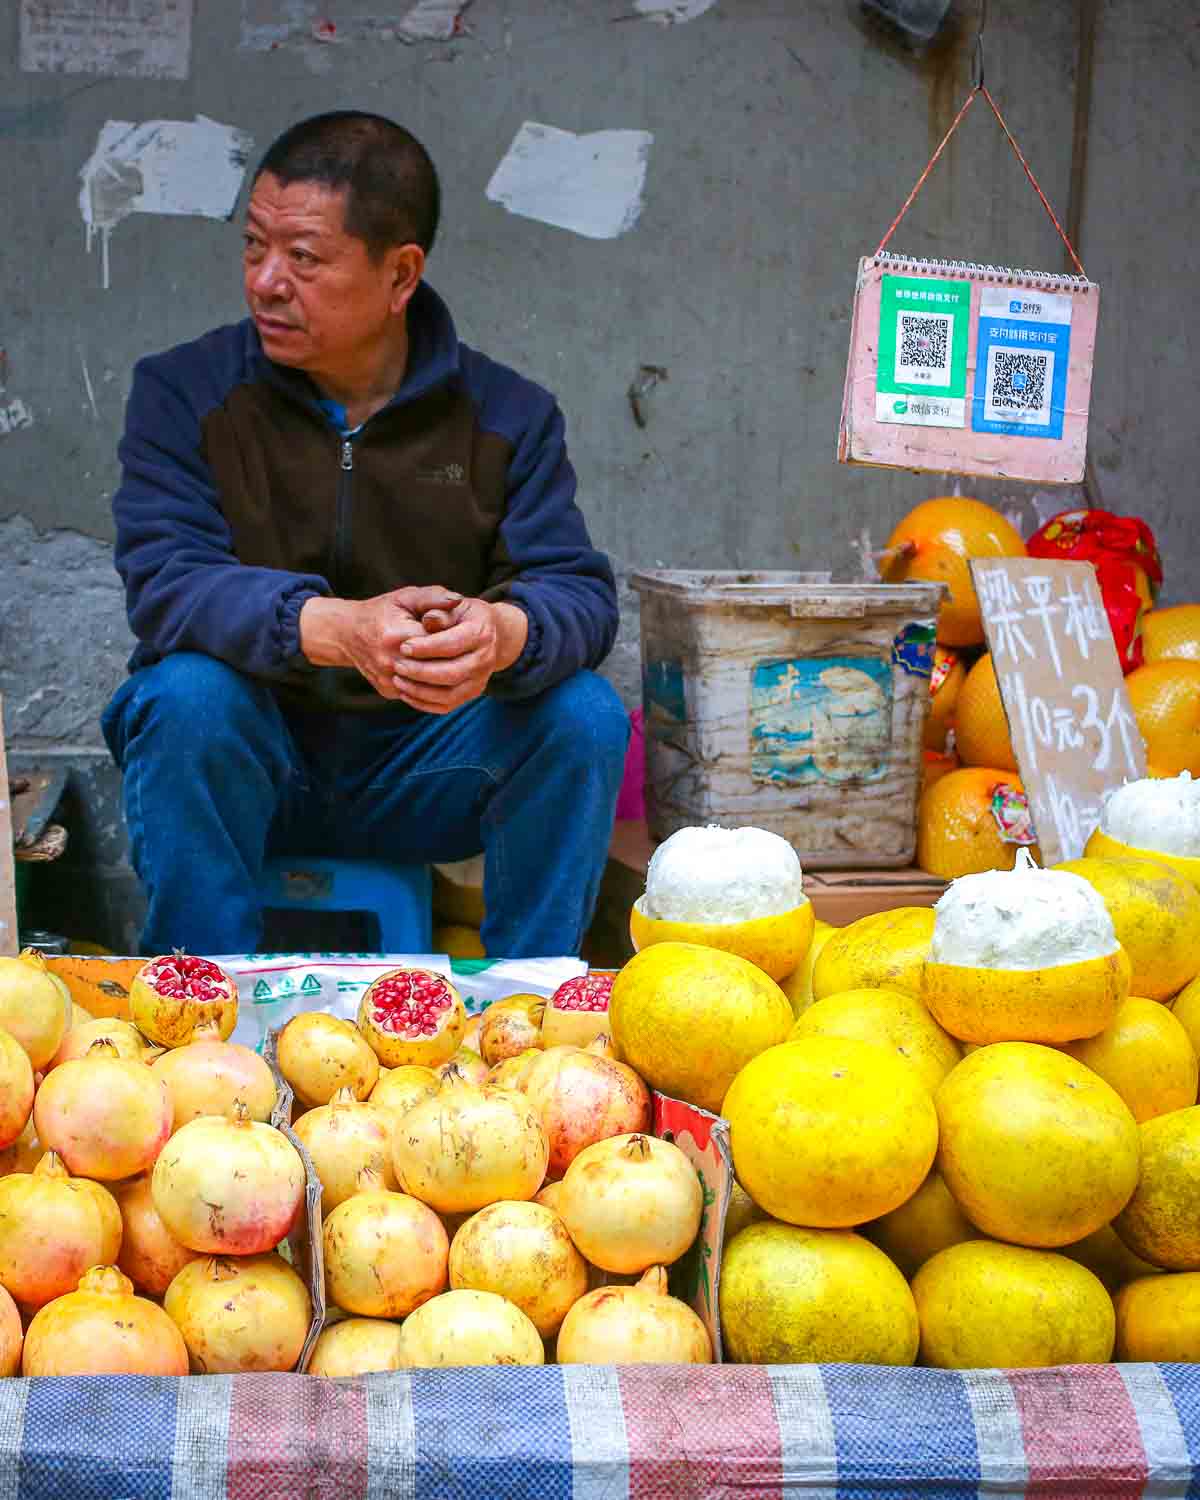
point(392, 192)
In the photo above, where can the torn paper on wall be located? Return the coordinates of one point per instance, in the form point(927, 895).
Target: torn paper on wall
point(160, 167)
point(268, 24)
point(147, 39)
point(14, 415)
point(433, 21)
point(591, 184)
point(669, 12)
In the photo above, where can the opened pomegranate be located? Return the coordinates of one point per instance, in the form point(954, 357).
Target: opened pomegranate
point(468, 1147)
point(344, 1138)
point(385, 1253)
point(150, 1256)
point(511, 1026)
point(577, 1012)
point(32, 1008)
point(356, 1346)
point(228, 1187)
point(240, 1316)
point(631, 1202)
point(16, 1089)
point(319, 1054)
point(11, 1337)
point(412, 1016)
point(634, 1325)
point(126, 1039)
point(213, 1078)
point(106, 1117)
point(466, 1066)
point(513, 1072)
point(24, 1153)
point(103, 1329)
point(521, 1251)
point(52, 1228)
point(581, 1099)
point(178, 998)
point(399, 1089)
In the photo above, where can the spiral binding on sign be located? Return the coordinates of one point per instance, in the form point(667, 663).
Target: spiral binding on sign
point(1046, 281)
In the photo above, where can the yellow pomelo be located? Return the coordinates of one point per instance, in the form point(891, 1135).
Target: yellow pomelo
point(830, 1132)
point(1101, 846)
point(1158, 1320)
point(1060, 1003)
point(1156, 915)
point(930, 1221)
point(776, 945)
point(1161, 1222)
point(884, 950)
point(797, 985)
point(983, 1305)
point(458, 941)
point(742, 1211)
point(1035, 1147)
point(1186, 1010)
point(687, 1018)
point(1146, 1055)
point(889, 1019)
point(1106, 1257)
point(813, 1296)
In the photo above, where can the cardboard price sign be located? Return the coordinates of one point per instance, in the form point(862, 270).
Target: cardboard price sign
point(1063, 692)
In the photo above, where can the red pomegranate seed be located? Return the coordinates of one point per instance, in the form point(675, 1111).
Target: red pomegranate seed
point(183, 976)
point(410, 1002)
point(587, 992)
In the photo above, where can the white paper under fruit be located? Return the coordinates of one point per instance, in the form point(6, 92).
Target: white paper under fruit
point(274, 987)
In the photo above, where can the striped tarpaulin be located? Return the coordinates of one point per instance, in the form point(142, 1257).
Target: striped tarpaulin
point(836, 1432)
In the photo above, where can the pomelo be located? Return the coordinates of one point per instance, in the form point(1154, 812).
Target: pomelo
point(1146, 1055)
point(1106, 1257)
point(797, 985)
point(889, 1019)
point(1161, 1221)
point(884, 950)
point(928, 1222)
point(1158, 1320)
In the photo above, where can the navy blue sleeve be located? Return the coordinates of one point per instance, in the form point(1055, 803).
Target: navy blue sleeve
point(545, 561)
point(185, 589)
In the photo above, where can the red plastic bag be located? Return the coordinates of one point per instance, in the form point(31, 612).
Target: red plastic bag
point(1128, 568)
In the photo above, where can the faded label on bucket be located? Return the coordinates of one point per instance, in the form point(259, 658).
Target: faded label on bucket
point(663, 695)
point(822, 718)
point(913, 650)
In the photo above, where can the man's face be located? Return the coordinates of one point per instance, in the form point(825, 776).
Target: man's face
point(319, 302)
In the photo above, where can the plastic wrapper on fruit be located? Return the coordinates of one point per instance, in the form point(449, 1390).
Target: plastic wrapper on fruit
point(1128, 567)
point(274, 987)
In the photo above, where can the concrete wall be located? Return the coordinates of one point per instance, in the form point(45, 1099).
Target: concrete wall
point(785, 137)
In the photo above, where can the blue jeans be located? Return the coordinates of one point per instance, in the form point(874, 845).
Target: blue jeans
point(218, 774)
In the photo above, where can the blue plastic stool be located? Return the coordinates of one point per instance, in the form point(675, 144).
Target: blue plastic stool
point(399, 896)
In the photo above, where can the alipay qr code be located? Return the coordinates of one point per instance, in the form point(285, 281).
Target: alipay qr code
point(923, 348)
point(1018, 386)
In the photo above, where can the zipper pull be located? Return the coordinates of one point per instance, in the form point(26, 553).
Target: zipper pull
point(347, 454)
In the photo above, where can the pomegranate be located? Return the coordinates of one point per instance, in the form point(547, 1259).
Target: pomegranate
point(412, 1016)
point(344, 1138)
point(16, 1089)
point(513, 1071)
point(319, 1054)
point(634, 1325)
point(24, 1153)
point(228, 1187)
point(385, 1253)
point(521, 1251)
point(126, 1039)
point(356, 1346)
point(581, 1099)
point(399, 1089)
point(511, 1026)
point(549, 1196)
point(468, 1147)
point(470, 1037)
point(631, 1202)
point(213, 1078)
point(240, 1316)
point(577, 1012)
point(465, 1066)
point(150, 1255)
point(469, 1328)
point(52, 1228)
point(103, 1329)
point(106, 1117)
point(11, 1336)
point(32, 1008)
point(178, 998)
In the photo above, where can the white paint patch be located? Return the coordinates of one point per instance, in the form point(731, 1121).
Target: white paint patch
point(14, 415)
point(432, 21)
point(160, 167)
point(591, 184)
point(152, 39)
point(669, 12)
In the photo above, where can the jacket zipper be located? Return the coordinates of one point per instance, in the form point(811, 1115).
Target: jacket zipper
point(341, 530)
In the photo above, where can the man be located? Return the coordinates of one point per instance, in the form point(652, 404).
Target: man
point(366, 604)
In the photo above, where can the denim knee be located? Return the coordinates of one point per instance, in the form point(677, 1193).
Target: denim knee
point(187, 698)
point(586, 719)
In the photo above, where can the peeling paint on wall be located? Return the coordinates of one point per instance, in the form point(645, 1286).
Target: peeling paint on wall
point(14, 415)
point(433, 20)
point(669, 12)
point(268, 24)
point(160, 167)
point(152, 39)
point(591, 184)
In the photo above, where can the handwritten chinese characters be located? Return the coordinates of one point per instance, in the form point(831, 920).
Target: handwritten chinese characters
point(1073, 732)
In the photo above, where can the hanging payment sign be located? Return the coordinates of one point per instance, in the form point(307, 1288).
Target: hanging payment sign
point(922, 374)
point(1021, 369)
